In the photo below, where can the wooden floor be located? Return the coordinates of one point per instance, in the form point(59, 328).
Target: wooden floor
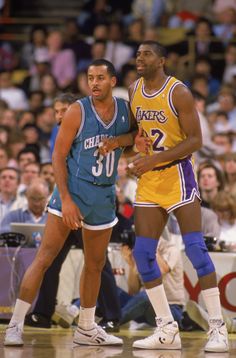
point(57, 343)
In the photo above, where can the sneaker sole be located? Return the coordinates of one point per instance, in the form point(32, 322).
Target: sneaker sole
point(8, 344)
point(224, 350)
point(97, 344)
point(162, 347)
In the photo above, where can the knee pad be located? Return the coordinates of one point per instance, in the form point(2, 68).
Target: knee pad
point(145, 256)
point(197, 253)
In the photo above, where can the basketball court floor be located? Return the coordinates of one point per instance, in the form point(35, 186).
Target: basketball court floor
point(57, 343)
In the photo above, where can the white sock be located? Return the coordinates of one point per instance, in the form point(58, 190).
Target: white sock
point(211, 297)
point(87, 318)
point(19, 313)
point(157, 297)
point(73, 310)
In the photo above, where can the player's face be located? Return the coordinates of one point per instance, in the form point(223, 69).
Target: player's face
point(59, 110)
point(147, 61)
point(100, 82)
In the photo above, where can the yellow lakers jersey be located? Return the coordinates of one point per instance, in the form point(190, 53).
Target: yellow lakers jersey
point(157, 116)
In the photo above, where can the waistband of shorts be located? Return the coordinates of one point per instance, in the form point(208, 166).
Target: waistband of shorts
point(171, 164)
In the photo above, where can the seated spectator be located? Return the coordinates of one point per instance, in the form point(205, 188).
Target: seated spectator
point(138, 306)
point(221, 124)
point(230, 63)
point(33, 47)
point(224, 206)
point(28, 174)
point(210, 180)
point(9, 181)
point(230, 173)
point(223, 140)
point(15, 97)
point(27, 155)
point(47, 174)
point(37, 196)
point(225, 16)
point(4, 156)
point(62, 61)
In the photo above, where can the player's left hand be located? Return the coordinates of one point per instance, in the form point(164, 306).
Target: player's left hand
point(108, 145)
point(142, 165)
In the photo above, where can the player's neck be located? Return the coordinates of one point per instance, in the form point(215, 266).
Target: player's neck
point(155, 83)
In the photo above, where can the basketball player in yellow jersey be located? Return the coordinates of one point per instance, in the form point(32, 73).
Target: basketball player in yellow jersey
point(164, 110)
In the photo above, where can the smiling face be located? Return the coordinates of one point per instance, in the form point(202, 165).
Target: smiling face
point(148, 61)
point(100, 82)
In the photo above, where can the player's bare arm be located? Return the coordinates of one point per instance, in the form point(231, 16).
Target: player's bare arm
point(189, 122)
point(121, 141)
point(70, 125)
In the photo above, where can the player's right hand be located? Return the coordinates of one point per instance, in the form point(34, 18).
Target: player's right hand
point(142, 142)
point(71, 214)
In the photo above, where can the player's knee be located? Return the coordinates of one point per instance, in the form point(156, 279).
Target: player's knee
point(145, 257)
point(197, 253)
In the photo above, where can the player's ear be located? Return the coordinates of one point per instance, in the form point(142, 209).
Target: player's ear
point(113, 81)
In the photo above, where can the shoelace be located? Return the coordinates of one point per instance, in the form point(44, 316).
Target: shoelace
point(214, 334)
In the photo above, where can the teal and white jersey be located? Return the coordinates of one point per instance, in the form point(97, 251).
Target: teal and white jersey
point(84, 160)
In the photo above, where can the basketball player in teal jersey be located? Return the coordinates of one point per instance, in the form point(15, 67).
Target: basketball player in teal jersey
point(84, 197)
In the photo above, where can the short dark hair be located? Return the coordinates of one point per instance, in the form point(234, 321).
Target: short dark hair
point(65, 98)
point(157, 47)
point(13, 169)
point(102, 62)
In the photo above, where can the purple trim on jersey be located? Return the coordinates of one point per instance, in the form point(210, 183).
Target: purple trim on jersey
point(194, 194)
point(188, 181)
point(156, 93)
point(106, 126)
point(134, 90)
point(170, 102)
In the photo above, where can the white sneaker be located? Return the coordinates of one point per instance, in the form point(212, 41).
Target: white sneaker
point(166, 336)
point(13, 336)
point(217, 337)
point(62, 316)
point(95, 337)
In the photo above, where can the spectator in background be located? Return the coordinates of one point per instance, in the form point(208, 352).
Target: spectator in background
point(230, 173)
point(230, 63)
point(37, 196)
point(34, 48)
point(150, 11)
point(47, 174)
point(9, 181)
point(116, 51)
point(223, 140)
point(9, 119)
point(4, 157)
point(186, 13)
point(28, 174)
point(35, 100)
point(224, 206)
point(225, 16)
point(62, 61)
point(226, 102)
point(27, 155)
point(211, 181)
point(41, 67)
point(48, 86)
point(221, 123)
point(15, 97)
point(74, 41)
